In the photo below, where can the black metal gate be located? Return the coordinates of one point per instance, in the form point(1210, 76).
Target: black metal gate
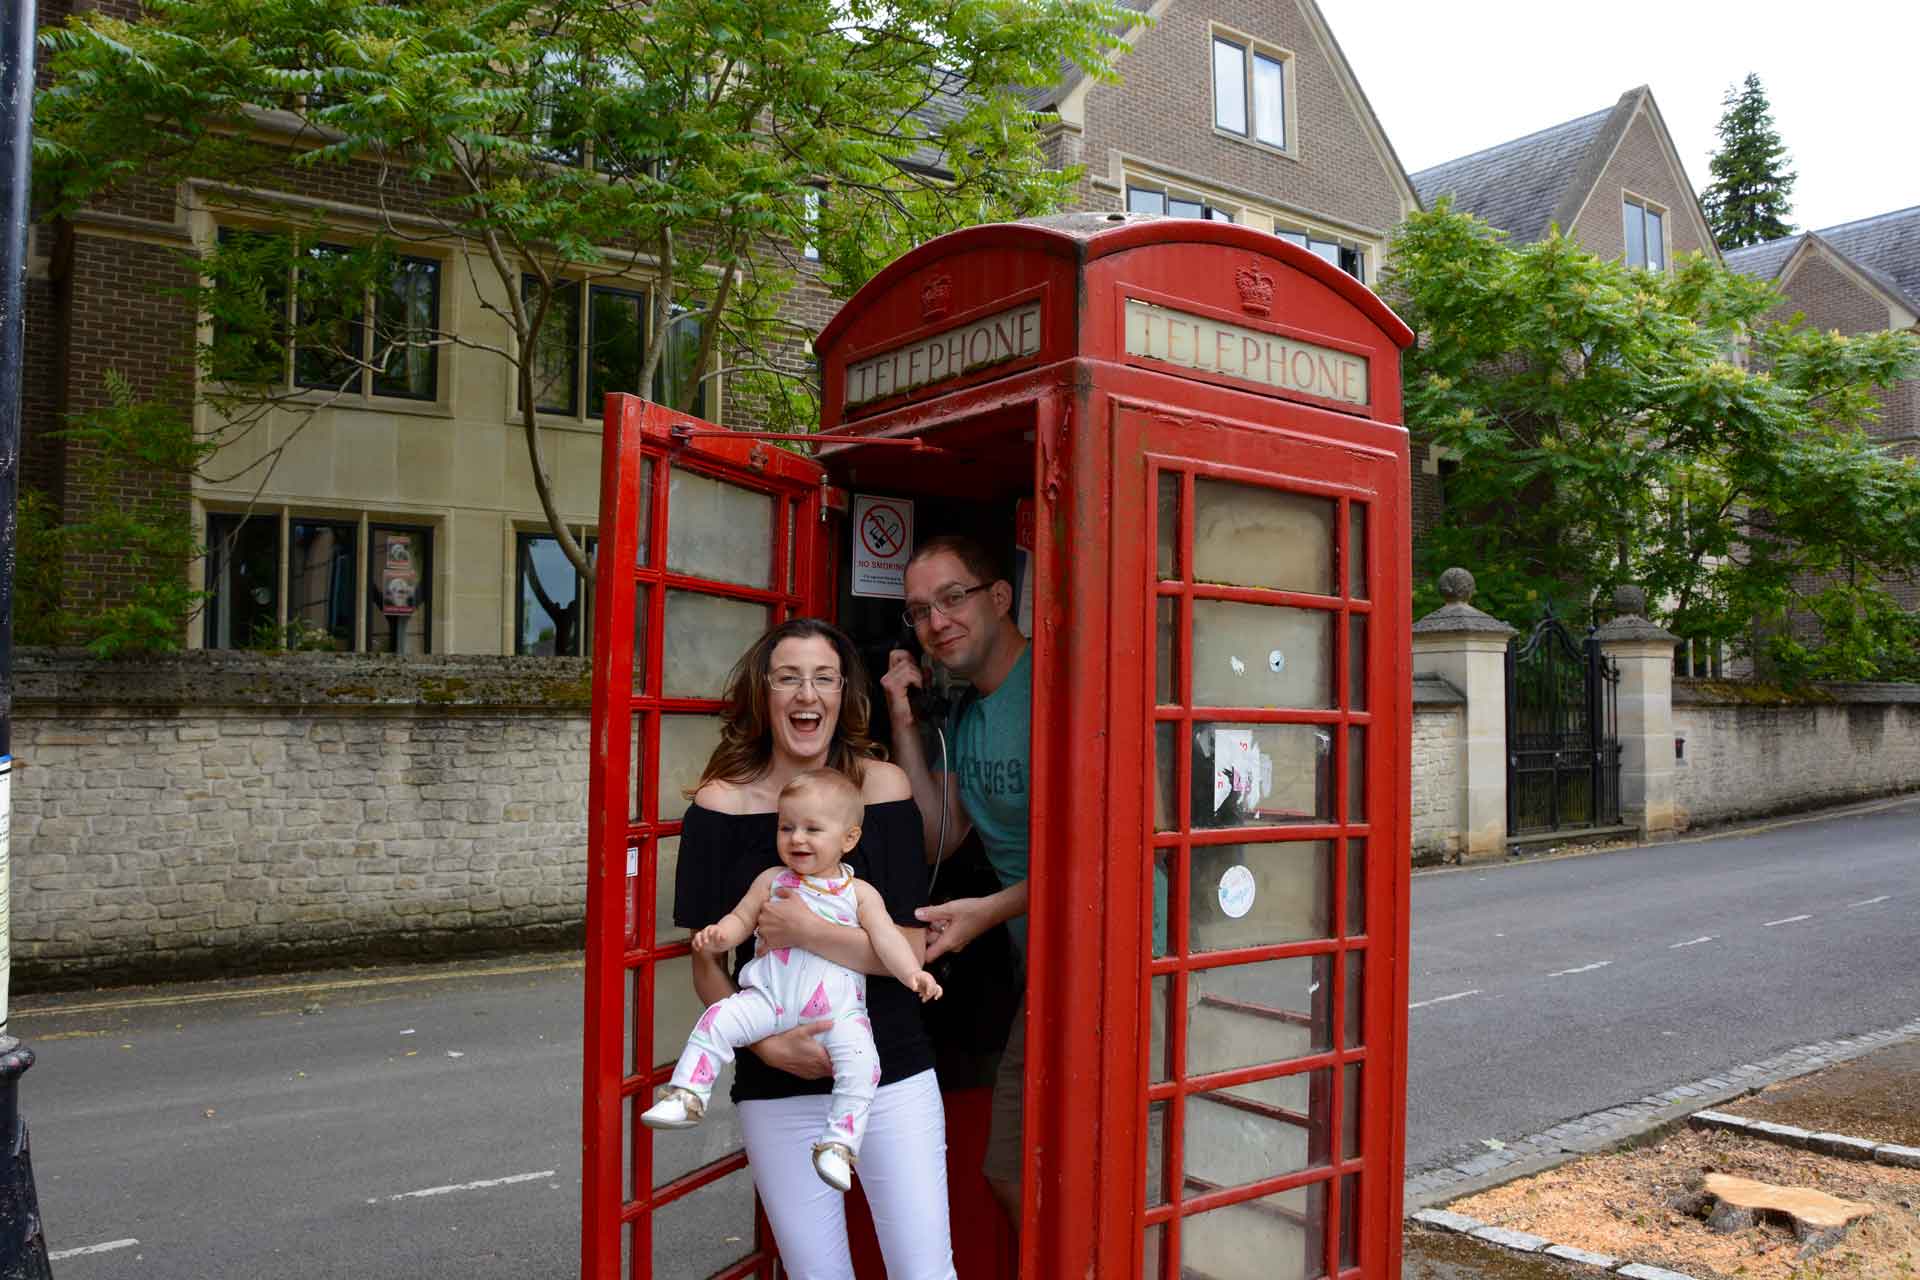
point(1563, 732)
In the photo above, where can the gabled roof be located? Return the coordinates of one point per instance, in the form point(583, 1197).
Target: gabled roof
point(1545, 179)
point(1518, 186)
point(1885, 249)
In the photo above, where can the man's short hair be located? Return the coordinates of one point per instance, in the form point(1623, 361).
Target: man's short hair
point(833, 786)
point(979, 561)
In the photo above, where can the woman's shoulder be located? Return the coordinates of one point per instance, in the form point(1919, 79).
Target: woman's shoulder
point(882, 782)
point(723, 797)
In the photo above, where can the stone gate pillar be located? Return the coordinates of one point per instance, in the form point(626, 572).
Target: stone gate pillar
point(1643, 651)
point(1469, 649)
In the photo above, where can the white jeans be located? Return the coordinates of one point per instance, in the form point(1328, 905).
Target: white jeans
point(903, 1170)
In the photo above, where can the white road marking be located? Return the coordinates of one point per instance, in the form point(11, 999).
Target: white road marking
point(1691, 942)
point(1867, 903)
point(1458, 995)
point(1789, 920)
point(480, 1185)
point(108, 1247)
point(1585, 968)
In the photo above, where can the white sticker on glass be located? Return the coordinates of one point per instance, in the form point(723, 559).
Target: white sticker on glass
point(1236, 891)
point(1276, 662)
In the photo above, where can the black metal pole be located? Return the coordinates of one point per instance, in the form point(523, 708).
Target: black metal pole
point(23, 1248)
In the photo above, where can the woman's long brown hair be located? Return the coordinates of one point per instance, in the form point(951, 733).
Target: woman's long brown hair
point(746, 737)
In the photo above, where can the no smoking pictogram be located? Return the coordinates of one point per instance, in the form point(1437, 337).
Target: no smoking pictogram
point(884, 530)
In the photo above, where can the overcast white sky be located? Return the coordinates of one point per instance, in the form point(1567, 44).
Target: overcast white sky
point(1450, 77)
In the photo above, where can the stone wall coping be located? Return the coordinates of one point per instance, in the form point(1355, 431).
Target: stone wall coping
point(209, 679)
point(1632, 627)
point(1742, 693)
point(1430, 690)
point(1460, 617)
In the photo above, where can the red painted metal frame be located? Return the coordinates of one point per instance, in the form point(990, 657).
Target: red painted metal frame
point(643, 446)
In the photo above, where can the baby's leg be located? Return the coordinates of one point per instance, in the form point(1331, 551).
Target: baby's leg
point(856, 1075)
point(741, 1019)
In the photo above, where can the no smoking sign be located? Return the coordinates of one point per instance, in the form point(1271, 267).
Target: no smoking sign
point(883, 540)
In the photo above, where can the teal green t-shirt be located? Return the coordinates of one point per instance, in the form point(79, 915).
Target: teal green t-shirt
point(992, 740)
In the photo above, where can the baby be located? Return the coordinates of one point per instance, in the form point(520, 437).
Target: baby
point(819, 813)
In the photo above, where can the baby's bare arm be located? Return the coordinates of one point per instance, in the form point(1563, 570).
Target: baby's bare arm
point(736, 926)
point(889, 942)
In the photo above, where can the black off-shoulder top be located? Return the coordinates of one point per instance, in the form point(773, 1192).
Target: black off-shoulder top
point(721, 853)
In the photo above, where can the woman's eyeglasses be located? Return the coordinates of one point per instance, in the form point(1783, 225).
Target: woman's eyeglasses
point(946, 602)
point(822, 681)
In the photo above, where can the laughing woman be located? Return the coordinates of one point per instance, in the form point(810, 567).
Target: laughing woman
point(797, 700)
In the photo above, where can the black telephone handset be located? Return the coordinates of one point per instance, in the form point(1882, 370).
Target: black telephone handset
point(929, 705)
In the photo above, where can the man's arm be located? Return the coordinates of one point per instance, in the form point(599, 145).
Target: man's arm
point(952, 925)
point(932, 792)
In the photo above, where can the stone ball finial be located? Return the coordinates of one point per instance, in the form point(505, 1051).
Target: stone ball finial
point(1456, 586)
point(1629, 599)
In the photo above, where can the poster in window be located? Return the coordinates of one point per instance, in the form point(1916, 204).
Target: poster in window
point(399, 579)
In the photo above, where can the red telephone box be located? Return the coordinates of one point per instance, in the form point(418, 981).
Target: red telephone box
point(1205, 420)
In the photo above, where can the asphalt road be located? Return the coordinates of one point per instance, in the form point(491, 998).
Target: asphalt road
point(1547, 990)
point(425, 1122)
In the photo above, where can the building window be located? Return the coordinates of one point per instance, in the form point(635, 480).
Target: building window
point(1348, 258)
point(550, 616)
point(607, 353)
point(810, 211)
point(323, 573)
point(1646, 234)
point(1250, 91)
point(316, 298)
point(1173, 204)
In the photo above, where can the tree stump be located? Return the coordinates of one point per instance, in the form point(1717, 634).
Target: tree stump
point(1818, 1219)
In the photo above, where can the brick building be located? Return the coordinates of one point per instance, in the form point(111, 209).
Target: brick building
point(1859, 277)
point(1611, 180)
point(1240, 109)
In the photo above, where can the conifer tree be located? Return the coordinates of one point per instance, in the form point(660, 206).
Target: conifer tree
point(1748, 200)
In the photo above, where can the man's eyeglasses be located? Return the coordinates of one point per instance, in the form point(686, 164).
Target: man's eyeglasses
point(822, 681)
point(946, 602)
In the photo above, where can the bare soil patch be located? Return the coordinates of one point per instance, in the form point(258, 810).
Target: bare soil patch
point(1445, 1255)
point(1625, 1203)
point(1875, 1097)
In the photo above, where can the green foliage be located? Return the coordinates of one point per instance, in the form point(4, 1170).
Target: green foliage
point(152, 539)
point(672, 144)
point(1749, 200)
point(39, 547)
point(1608, 425)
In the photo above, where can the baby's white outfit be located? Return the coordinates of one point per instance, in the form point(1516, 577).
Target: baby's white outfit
point(784, 987)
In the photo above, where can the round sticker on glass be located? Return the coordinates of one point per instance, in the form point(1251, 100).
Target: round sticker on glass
point(1236, 892)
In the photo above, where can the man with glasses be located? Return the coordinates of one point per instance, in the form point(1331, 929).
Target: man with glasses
point(960, 606)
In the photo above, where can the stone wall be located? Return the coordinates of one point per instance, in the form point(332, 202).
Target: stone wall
point(221, 810)
point(1437, 785)
point(1438, 803)
point(1748, 751)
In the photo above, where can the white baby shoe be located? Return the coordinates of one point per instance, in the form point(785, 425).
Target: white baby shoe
point(676, 1109)
point(834, 1164)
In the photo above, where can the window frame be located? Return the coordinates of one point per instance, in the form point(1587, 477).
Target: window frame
point(1252, 53)
point(278, 521)
point(1168, 195)
point(1634, 206)
point(523, 539)
point(362, 317)
point(581, 387)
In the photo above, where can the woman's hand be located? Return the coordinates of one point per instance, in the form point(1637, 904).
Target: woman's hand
point(786, 922)
point(797, 1052)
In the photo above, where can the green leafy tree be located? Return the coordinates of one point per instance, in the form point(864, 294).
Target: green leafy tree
point(1749, 200)
point(1610, 425)
point(691, 146)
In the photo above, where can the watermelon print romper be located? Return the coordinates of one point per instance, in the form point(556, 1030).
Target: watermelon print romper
point(779, 990)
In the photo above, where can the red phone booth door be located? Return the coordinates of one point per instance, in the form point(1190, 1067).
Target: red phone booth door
point(704, 544)
point(1265, 1113)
